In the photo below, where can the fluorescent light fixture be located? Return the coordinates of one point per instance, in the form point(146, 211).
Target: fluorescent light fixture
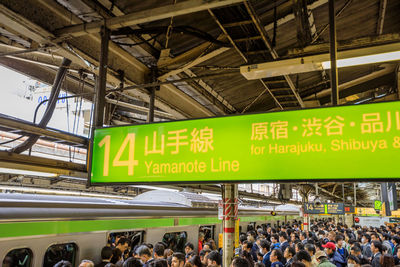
point(72, 178)
point(355, 61)
point(346, 58)
point(155, 188)
point(61, 192)
point(24, 172)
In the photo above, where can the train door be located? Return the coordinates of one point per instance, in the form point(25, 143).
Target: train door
point(209, 231)
point(135, 237)
point(176, 241)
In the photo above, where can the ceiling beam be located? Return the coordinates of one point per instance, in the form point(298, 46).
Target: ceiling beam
point(166, 101)
point(346, 44)
point(272, 51)
point(291, 17)
point(381, 17)
point(33, 163)
point(304, 35)
point(29, 127)
point(144, 16)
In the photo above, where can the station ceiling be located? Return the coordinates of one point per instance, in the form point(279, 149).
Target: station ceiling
point(207, 41)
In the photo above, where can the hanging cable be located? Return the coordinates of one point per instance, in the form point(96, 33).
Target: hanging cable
point(169, 30)
point(12, 140)
point(50, 108)
point(275, 25)
point(79, 110)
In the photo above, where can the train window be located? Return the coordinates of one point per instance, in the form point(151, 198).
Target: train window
point(59, 252)
point(20, 257)
point(208, 231)
point(251, 226)
point(175, 241)
point(135, 237)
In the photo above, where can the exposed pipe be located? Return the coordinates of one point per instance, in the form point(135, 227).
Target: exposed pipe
point(155, 84)
point(55, 90)
point(333, 53)
point(387, 68)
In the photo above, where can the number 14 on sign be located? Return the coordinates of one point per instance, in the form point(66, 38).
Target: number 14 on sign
point(117, 162)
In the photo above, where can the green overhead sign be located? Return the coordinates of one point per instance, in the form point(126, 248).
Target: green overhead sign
point(378, 205)
point(345, 142)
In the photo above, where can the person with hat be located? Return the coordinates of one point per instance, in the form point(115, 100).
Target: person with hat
point(333, 255)
point(322, 258)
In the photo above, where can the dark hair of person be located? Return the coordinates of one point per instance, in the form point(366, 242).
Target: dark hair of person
point(106, 253)
point(203, 252)
point(356, 249)
point(291, 250)
point(278, 254)
point(354, 258)
point(248, 257)
point(167, 253)
point(122, 241)
point(378, 245)
point(190, 245)
point(300, 246)
point(132, 262)
point(143, 250)
point(209, 244)
point(310, 248)
point(150, 246)
point(117, 254)
point(180, 256)
point(248, 244)
point(159, 263)
point(265, 244)
point(190, 254)
point(283, 234)
point(303, 255)
point(386, 260)
point(159, 249)
point(215, 256)
point(396, 239)
point(240, 262)
point(259, 264)
point(339, 237)
point(367, 236)
point(352, 241)
point(297, 264)
point(195, 261)
point(242, 238)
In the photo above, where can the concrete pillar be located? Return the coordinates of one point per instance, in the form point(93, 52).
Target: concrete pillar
point(349, 219)
point(229, 197)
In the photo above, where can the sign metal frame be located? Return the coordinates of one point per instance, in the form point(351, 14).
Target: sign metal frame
point(90, 157)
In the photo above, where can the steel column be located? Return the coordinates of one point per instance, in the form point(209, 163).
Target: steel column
point(333, 53)
point(355, 194)
point(152, 91)
point(229, 198)
point(344, 200)
point(150, 116)
point(101, 81)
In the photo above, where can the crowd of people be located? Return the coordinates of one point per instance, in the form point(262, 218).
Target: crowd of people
point(325, 245)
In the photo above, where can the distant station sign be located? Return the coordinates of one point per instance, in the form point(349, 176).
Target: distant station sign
point(349, 209)
point(346, 142)
point(324, 208)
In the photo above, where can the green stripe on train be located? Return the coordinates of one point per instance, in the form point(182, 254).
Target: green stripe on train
point(64, 227)
point(17, 229)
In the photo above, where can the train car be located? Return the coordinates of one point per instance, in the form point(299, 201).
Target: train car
point(40, 230)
